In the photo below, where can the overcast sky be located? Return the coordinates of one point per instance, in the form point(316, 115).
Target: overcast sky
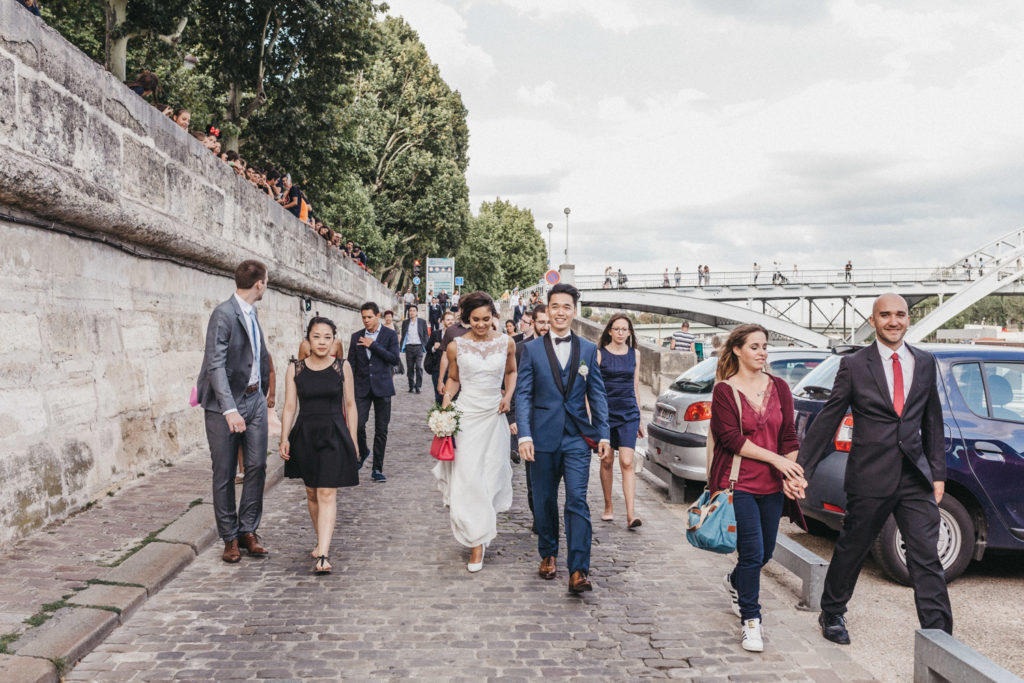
point(731, 131)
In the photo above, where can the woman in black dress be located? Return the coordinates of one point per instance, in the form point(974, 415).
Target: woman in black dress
point(318, 446)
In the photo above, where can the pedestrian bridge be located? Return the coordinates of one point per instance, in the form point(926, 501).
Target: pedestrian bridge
point(773, 296)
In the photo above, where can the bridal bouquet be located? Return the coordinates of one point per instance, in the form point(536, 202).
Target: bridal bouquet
point(444, 423)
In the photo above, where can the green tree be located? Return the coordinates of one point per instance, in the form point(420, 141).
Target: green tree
point(415, 128)
point(523, 256)
point(479, 257)
point(128, 19)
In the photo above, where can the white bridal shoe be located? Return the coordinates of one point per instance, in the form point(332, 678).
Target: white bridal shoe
point(474, 567)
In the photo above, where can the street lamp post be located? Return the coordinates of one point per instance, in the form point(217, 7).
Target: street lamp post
point(550, 228)
point(566, 210)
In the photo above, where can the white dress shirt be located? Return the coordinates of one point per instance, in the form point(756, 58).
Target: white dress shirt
point(413, 335)
point(906, 363)
point(373, 336)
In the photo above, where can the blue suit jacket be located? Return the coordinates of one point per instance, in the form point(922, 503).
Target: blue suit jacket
point(372, 376)
point(549, 405)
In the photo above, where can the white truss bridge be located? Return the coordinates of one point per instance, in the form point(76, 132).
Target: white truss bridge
point(731, 298)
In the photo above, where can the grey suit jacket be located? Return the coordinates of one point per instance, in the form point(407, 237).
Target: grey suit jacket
point(227, 361)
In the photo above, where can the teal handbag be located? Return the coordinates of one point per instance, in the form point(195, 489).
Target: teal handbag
point(711, 520)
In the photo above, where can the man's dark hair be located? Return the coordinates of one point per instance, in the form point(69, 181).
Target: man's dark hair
point(248, 273)
point(562, 288)
point(231, 155)
point(528, 314)
point(686, 324)
point(370, 306)
point(272, 173)
point(540, 308)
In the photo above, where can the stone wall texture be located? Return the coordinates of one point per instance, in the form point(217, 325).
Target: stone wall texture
point(118, 236)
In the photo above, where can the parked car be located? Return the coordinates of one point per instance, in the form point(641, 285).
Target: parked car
point(677, 437)
point(982, 394)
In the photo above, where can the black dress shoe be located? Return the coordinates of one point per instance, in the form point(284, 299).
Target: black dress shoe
point(833, 627)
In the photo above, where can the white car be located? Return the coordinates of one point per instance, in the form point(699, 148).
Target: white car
point(677, 438)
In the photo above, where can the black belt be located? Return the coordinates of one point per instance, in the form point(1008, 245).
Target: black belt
point(251, 388)
point(408, 345)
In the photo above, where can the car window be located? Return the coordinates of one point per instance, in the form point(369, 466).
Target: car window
point(793, 369)
point(1005, 394)
point(818, 382)
point(699, 379)
point(968, 380)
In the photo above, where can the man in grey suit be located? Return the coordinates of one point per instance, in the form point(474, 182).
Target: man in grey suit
point(232, 388)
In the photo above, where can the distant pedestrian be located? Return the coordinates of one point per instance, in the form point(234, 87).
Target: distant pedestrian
point(796, 273)
point(318, 444)
point(456, 295)
point(607, 278)
point(434, 313)
point(442, 299)
point(757, 271)
point(678, 276)
point(388, 321)
point(981, 267)
point(755, 450)
point(622, 278)
point(700, 276)
point(409, 299)
point(682, 339)
point(371, 352)
point(707, 276)
point(967, 268)
point(414, 337)
point(232, 388)
point(434, 351)
point(664, 279)
point(616, 356)
point(849, 270)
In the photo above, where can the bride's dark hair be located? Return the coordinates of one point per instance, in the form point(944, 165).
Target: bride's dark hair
point(473, 301)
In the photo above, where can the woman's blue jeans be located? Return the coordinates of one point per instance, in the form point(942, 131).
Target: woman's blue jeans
point(757, 526)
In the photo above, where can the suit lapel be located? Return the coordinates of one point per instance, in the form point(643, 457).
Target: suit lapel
point(875, 367)
point(919, 368)
point(549, 347)
point(574, 363)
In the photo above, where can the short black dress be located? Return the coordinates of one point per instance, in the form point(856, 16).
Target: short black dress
point(322, 452)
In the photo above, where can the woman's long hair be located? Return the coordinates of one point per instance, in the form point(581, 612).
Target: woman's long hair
point(728, 363)
point(606, 336)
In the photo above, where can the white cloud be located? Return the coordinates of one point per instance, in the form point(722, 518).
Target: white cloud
point(443, 30)
point(538, 96)
point(699, 132)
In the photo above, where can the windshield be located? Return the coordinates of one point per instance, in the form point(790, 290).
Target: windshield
point(817, 384)
point(699, 379)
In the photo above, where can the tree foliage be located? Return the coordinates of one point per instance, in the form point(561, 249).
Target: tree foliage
point(342, 97)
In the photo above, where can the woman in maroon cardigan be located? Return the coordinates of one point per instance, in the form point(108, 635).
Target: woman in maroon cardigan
point(767, 444)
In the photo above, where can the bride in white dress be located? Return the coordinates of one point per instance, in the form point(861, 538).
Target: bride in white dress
point(477, 484)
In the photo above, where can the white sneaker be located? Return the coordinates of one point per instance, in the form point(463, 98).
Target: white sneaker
point(733, 593)
point(752, 641)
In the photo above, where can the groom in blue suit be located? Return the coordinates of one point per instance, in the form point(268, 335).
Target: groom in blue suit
point(558, 376)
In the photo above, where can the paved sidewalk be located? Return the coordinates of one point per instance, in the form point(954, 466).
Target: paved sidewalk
point(400, 602)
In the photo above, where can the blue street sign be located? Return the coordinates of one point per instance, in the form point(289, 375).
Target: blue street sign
point(458, 281)
point(415, 280)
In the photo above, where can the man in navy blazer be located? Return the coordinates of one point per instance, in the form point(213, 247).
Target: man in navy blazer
point(558, 376)
point(372, 352)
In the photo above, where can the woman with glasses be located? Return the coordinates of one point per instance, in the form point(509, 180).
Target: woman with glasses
point(616, 355)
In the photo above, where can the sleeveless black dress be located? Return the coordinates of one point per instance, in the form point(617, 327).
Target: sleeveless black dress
point(322, 452)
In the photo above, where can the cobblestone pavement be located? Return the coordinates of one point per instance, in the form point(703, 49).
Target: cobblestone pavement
point(400, 602)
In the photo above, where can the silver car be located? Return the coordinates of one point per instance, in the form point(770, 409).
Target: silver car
point(677, 438)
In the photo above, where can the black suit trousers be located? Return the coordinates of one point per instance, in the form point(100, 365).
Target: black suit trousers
point(917, 516)
point(381, 418)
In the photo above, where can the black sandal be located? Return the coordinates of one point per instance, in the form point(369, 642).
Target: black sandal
point(320, 568)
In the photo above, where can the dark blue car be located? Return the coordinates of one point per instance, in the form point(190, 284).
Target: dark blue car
point(982, 393)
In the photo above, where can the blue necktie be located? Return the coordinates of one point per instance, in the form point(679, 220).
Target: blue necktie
point(255, 344)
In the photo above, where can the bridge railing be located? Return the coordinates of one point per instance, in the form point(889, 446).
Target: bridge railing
point(767, 279)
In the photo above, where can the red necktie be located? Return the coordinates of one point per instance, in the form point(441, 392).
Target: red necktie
point(897, 384)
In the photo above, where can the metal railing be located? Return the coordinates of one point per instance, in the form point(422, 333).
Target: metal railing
point(941, 658)
point(768, 279)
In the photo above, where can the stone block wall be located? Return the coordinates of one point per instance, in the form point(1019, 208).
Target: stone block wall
point(118, 235)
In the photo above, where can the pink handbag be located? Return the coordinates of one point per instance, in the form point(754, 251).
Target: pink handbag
point(443, 447)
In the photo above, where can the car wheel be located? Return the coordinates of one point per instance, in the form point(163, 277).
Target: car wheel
point(956, 543)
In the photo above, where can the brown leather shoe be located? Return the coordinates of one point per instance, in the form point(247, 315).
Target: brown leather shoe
point(579, 583)
point(251, 543)
point(547, 568)
point(231, 553)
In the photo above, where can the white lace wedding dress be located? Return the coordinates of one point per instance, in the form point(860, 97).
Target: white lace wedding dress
point(477, 484)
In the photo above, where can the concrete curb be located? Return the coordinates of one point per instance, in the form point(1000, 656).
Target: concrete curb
point(93, 614)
